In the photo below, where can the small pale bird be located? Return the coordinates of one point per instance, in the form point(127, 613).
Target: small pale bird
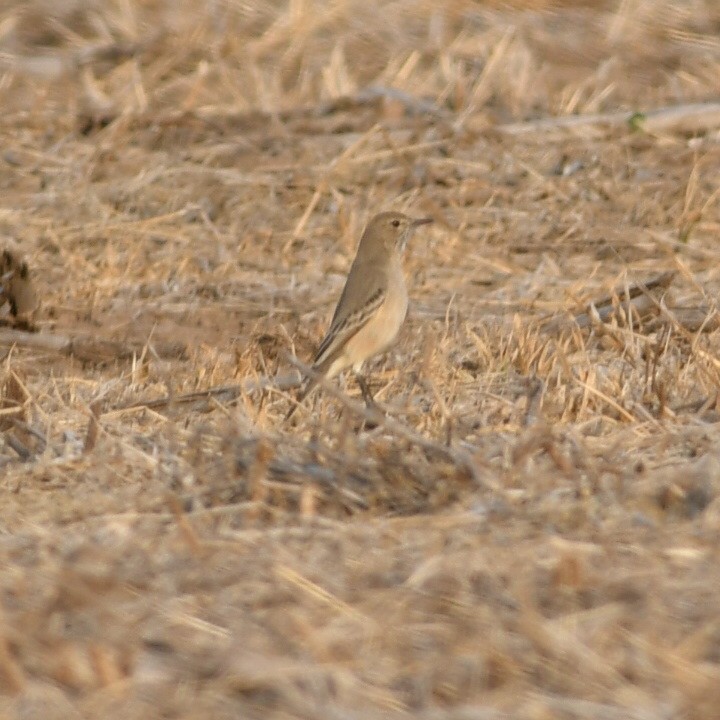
point(373, 303)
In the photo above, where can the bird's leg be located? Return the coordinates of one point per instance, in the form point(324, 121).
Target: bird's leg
point(369, 400)
point(365, 390)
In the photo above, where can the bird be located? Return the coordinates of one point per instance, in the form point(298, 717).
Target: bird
point(16, 284)
point(372, 306)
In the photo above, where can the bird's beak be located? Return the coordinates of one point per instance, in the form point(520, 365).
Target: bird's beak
point(420, 221)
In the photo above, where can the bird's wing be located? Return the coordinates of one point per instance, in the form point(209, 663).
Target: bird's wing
point(359, 301)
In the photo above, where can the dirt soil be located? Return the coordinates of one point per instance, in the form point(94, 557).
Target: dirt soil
point(529, 529)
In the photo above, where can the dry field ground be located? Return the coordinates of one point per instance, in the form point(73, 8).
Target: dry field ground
point(530, 530)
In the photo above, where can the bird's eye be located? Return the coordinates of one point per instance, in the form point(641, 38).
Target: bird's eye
point(395, 223)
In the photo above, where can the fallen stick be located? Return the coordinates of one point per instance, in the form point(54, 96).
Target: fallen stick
point(84, 348)
point(228, 393)
point(693, 319)
point(691, 118)
point(222, 393)
point(639, 296)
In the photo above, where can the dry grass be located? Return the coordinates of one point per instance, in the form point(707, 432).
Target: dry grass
point(532, 532)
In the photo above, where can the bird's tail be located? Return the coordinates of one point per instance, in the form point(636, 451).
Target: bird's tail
point(319, 371)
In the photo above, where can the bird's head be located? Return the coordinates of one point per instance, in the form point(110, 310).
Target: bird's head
point(390, 231)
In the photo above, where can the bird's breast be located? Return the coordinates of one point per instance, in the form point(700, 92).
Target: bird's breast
point(382, 329)
point(396, 302)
